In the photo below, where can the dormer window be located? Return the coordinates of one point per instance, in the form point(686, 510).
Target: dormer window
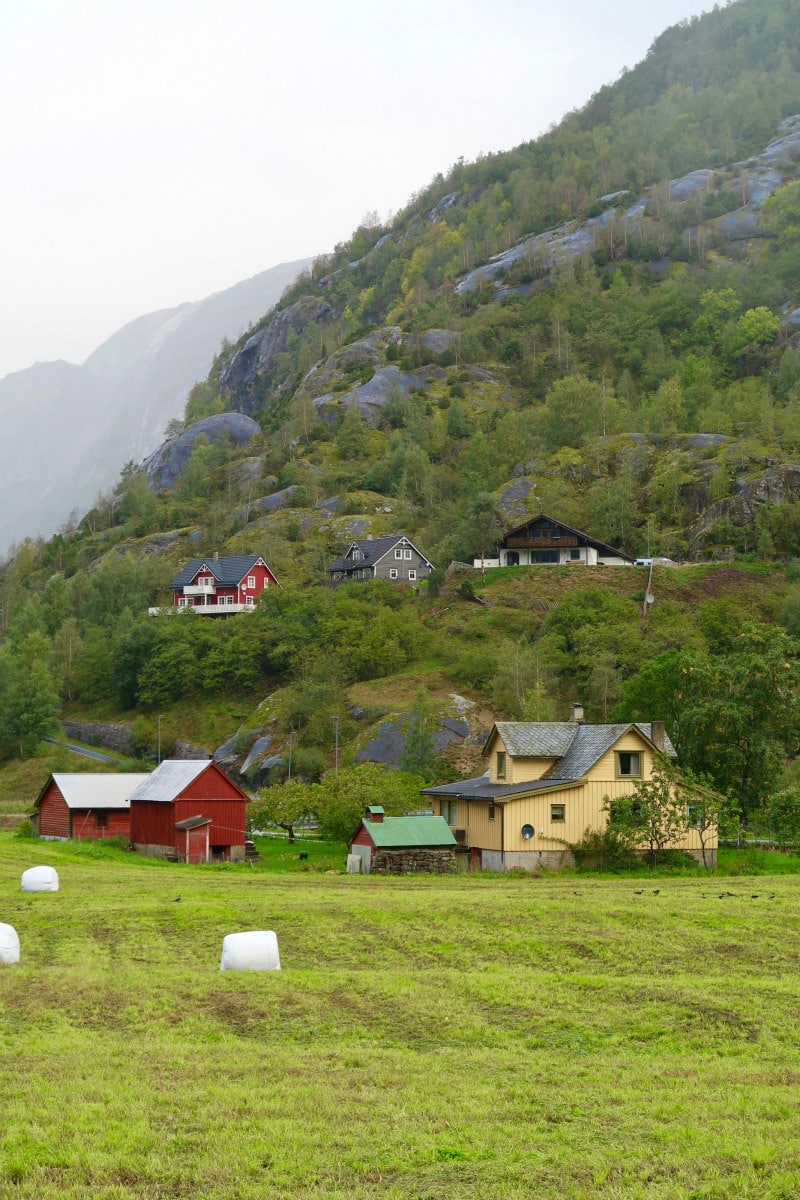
point(501, 764)
point(629, 764)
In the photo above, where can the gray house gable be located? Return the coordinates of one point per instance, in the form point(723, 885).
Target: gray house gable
point(395, 558)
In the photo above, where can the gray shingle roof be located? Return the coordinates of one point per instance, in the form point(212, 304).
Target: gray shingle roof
point(544, 739)
point(576, 746)
point(227, 571)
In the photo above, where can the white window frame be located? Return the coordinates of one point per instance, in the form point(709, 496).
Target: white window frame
point(412, 576)
point(398, 553)
point(407, 555)
point(251, 581)
point(183, 601)
point(393, 572)
point(249, 601)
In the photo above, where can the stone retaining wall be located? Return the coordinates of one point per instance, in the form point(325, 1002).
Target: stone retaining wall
point(109, 735)
point(406, 862)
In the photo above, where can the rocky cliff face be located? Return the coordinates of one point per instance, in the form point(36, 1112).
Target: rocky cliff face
point(257, 357)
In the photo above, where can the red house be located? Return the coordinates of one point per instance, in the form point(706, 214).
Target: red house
point(218, 587)
point(191, 811)
point(85, 806)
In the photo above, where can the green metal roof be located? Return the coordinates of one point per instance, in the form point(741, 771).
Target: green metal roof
point(409, 831)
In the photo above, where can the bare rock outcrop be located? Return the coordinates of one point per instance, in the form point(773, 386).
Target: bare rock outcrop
point(257, 357)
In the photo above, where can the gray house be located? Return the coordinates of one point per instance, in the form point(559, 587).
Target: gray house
point(394, 557)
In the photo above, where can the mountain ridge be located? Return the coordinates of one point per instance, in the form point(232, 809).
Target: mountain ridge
point(81, 423)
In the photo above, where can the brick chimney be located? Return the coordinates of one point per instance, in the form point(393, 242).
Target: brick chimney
point(375, 813)
point(576, 713)
point(657, 735)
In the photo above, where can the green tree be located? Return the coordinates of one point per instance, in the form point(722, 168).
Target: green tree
point(283, 805)
point(654, 814)
point(29, 701)
point(783, 817)
point(341, 798)
point(419, 740)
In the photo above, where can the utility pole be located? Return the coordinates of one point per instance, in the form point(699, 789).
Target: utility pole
point(335, 719)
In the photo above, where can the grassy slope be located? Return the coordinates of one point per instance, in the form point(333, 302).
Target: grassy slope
point(455, 1038)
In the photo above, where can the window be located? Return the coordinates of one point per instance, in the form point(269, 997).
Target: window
point(449, 810)
point(393, 572)
point(412, 575)
point(251, 581)
point(501, 764)
point(102, 819)
point(356, 555)
point(574, 555)
point(182, 602)
point(491, 810)
point(250, 602)
point(229, 599)
point(398, 553)
point(557, 812)
point(407, 555)
point(629, 764)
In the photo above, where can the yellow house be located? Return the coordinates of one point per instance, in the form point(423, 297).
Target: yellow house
point(545, 787)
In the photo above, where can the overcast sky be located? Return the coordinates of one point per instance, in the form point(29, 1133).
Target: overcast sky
point(155, 151)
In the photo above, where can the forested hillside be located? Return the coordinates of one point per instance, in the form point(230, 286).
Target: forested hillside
point(601, 325)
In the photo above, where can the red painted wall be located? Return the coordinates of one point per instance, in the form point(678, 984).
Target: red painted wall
point(362, 838)
point(263, 578)
point(85, 823)
point(212, 794)
point(53, 813)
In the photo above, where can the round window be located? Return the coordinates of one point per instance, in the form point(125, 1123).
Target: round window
point(527, 832)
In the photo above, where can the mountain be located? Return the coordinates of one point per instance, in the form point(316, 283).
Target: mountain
point(602, 325)
point(66, 430)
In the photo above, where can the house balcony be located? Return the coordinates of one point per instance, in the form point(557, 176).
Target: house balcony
point(205, 610)
point(217, 610)
point(539, 543)
point(200, 589)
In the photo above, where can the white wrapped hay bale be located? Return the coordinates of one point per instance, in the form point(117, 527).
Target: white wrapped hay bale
point(40, 879)
point(9, 944)
point(256, 950)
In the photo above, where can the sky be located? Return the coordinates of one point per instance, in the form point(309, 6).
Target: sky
point(156, 151)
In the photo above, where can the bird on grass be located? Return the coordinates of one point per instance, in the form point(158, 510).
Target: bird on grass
point(638, 892)
point(175, 901)
point(656, 891)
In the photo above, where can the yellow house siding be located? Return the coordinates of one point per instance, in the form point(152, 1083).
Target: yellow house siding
point(583, 809)
point(473, 816)
point(606, 767)
point(523, 770)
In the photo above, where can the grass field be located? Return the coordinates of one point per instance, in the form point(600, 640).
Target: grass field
point(468, 1037)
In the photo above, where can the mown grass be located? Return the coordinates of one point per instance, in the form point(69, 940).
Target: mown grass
point(432, 1038)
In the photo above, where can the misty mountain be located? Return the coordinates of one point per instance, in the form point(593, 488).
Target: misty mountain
point(66, 430)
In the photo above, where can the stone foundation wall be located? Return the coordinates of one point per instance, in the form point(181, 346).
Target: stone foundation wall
point(406, 862)
point(537, 860)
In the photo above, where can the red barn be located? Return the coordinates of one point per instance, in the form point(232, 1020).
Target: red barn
point(189, 810)
point(219, 587)
point(86, 806)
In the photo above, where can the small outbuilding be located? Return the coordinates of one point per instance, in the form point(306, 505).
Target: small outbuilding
point(400, 845)
point(189, 811)
point(85, 806)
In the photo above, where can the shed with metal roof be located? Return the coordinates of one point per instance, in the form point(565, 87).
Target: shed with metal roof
point(84, 805)
point(398, 845)
point(189, 810)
